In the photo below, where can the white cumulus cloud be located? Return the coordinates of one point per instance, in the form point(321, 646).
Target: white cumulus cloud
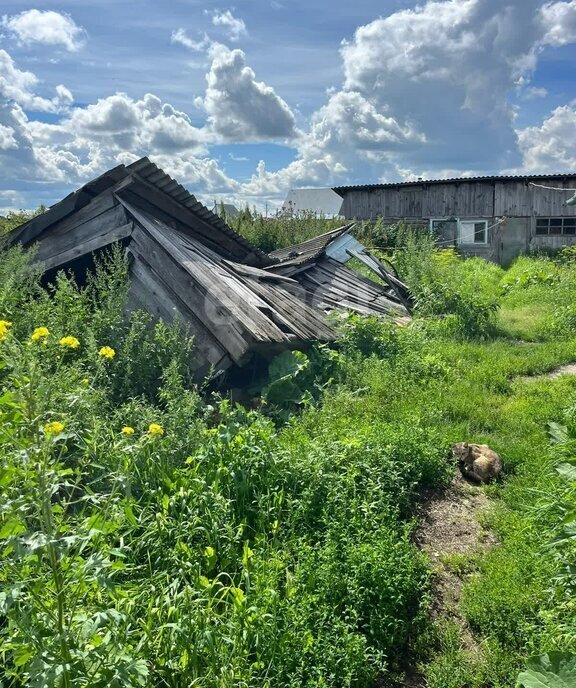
point(45, 26)
point(239, 107)
point(431, 91)
point(7, 139)
point(234, 27)
point(551, 147)
point(559, 23)
point(180, 36)
point(19, 86)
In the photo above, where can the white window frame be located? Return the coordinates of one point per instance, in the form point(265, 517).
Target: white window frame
point(472, 221)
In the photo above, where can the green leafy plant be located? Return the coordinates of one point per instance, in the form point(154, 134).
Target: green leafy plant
point(553, 670)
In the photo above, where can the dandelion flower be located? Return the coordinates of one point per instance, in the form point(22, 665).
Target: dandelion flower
point(40, 334)
point(70, 342)
point(155, 429)
point(127, 430)
point(107, 352)
point(5, 325)
point(53, 428)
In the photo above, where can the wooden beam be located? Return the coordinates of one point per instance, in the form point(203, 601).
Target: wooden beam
point(53, 260)
point(162, 302)
point(223, 327)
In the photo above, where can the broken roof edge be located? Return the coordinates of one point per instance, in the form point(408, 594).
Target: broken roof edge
point(153, 174)
point(310, 249)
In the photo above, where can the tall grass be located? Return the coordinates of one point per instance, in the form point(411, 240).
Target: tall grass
point(282, 228)
point(145, 545)
point(153, 536)
point(14, 218)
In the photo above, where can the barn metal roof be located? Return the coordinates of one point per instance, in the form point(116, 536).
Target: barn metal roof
point(423, 182)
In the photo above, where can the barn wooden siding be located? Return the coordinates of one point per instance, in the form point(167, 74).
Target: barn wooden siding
point(487, 198)
point(477, 199)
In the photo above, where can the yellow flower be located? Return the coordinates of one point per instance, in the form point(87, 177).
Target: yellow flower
point(5, 325)
point(155, 429)
point(107, 352)
point(127, 430)
point(85, 381)
point(53, 428)
point(40, 333)
point(70, 342)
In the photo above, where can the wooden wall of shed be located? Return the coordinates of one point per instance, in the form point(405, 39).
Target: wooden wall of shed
point(475, 199)
point(521, 200)
point(552, 242)
point(430, 201)
point(100, 223)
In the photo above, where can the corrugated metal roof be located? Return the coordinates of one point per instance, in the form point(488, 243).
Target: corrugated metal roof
point(308, 250)
point(154, 175)
point(422, 182)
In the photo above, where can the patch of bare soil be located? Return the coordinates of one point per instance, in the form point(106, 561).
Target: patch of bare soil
point(450, 526)
point(569, 369)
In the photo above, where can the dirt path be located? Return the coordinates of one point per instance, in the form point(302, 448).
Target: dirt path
point(450, 525)
point(568, 369)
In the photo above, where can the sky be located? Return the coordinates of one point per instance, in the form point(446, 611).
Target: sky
point(242, 102)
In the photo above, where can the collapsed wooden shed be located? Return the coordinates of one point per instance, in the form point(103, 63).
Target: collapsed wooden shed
point(186, 264)
point(319, 265)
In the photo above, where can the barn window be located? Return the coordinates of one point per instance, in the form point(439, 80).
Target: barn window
point(555, 225)
point(436, 225)
point(473, 231)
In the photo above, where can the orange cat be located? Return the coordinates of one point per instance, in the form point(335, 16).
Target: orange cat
point(477, 462)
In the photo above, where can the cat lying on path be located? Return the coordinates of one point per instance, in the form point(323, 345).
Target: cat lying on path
point(477, 462)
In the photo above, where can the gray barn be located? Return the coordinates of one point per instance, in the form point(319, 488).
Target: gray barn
point(497, 218)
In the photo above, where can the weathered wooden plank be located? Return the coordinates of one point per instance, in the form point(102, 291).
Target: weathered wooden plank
point(231, 290)
point(212, 276)
point(218, 321)
point(164, 303)
point(99, 205)
point(26, 234)
point(265, 305)
point(89, 233)
point(344, 278)
point(301, 319)
point(49, 259)
point(349, 290)
point(148, 197)
point(258, 273)
point(31, 230)
point(325, 297)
